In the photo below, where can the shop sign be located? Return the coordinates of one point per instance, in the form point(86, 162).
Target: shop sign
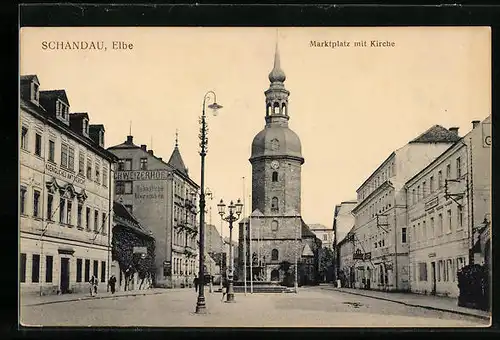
point(140, 250)
point(66, 174)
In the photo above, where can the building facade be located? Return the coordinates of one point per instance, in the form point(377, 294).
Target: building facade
point(343, 222)
point(446, 201)
point(381, 249)
point(326, 235)
point(66, 191)
point(276, 161)
point(163, 197)
point(345, 263)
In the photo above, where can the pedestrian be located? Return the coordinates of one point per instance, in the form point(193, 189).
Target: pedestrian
point(93, 285)
point(196, 282)
point(112, 283)
point(224, 290)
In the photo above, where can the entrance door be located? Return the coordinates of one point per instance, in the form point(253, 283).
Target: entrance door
point(275, 275)
point(433, 278)
point(64, 275)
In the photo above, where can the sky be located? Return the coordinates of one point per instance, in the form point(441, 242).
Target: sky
point(350, 106)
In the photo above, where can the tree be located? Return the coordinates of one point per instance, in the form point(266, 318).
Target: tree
point(326, 264)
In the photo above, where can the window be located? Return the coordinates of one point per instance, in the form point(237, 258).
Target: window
point(103, 228)
point(418, 193)
point(38, 144)
point(144, 163)
point(414, 196)
point(460, 263)
point(69, 208)
point(98, 172)
point(123, 187)
point(62, 203)
point(274, 225)
point(36, 203)
point(440, 179)
point(89, 168)
point(274, 255)
point(87, 270)
point(419, 230)
point(431, 184)
point(22, 268)
point(52, 150)
point(87, 218)
point(121, 165)
point(413, 234)
point(96, 221)
point(103, 271)
point(50, 201)
point(275, 176)
point(448, 225)
point(105, 176)
point(449, 270)
point(460, 217)
point(424, 230)
point(79, 215)
point(325, 237)
point(422, 271)
point(64, 155)
point(71, 158)
point(22, 200)
point(440, 224)
point(440, 270)
point(24, 138)
point(78, 270)
point(128, 164)
point(81, 162)
point(274, 204)
point(96, 268)
point(48, 268)
point(459, 168)
point(432, 228)
point(448, 171)
point(403, 235)
point(128, 187)
point(424, 189)
point(35, 268)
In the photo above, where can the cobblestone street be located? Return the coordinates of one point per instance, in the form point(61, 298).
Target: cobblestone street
point(312, 307)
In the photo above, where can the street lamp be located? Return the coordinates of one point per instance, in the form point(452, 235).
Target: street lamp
point(200, 303)
point(234, 214)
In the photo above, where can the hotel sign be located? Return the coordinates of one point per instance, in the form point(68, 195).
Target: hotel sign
point(141, 175)
point(66, 174)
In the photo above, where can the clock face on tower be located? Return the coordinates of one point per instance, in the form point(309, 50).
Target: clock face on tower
point(275, 165)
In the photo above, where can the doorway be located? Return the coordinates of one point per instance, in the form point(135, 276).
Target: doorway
point(433, 278)
point(275, 275)
point(64, 275)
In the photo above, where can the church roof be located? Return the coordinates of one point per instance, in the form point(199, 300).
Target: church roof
point(277, 74)
point(176, 161)
point(306, 232)
point(276, 141)
point(436, 134)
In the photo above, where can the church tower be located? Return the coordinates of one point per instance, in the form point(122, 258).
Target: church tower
point(276, 181)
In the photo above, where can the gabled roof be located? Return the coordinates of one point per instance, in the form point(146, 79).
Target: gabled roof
point(30, 77)
point(307, 251)
point(436, 134)
point(52, 94)
point(306, 232)
point(176, 161)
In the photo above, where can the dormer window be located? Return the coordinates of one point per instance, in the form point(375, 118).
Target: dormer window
point(85, 127)
point(35, 93)
point(101, 138)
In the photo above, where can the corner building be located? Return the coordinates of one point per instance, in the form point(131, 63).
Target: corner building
point(162, 197)
point(66, 192)
point(279, 235)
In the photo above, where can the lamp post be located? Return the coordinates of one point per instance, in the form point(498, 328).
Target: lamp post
point(234, 215)
point(200, 303)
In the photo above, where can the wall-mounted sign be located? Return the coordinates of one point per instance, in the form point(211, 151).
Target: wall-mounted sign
point(151, 191)
point(486, 135)
point(141, 175)
point(66, 174)
point(432, 203)
point(140, 250)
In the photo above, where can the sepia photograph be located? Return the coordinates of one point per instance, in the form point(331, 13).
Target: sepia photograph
point(255, 177)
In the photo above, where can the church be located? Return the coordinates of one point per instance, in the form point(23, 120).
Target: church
point(275, 239)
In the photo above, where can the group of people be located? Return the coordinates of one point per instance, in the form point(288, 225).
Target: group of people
point(225, 285)
point(94, 283)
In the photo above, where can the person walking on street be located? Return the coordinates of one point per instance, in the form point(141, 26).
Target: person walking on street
point(112, 282)
point(196, 282)
point(224, 290)
point(93, 285)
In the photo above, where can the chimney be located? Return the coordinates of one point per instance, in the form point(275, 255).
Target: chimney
point(129, 139)
point(454, 130)
point(475, 123)
point(143, 147)
point(150, 152)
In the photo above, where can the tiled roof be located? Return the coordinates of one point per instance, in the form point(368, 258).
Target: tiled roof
point(436, 134)
point(120, 211)
point(124, 145)
point(51, 94)
point(306, 232)
point(176, 161)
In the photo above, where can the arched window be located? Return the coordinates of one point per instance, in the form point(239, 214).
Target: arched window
point(283, 109)
point(274, 225)
point(275, 275)
point(274, 204)
point(276, 108)
point(275, 176)
point(274, 255)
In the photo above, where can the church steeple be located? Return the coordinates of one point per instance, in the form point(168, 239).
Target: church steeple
point(277, 95)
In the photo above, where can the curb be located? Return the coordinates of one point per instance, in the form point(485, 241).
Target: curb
point(90, 298)
point(414, 305)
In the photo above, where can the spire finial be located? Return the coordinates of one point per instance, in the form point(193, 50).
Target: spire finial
point(130, 129)
point(277, 74)
point(176, 138)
